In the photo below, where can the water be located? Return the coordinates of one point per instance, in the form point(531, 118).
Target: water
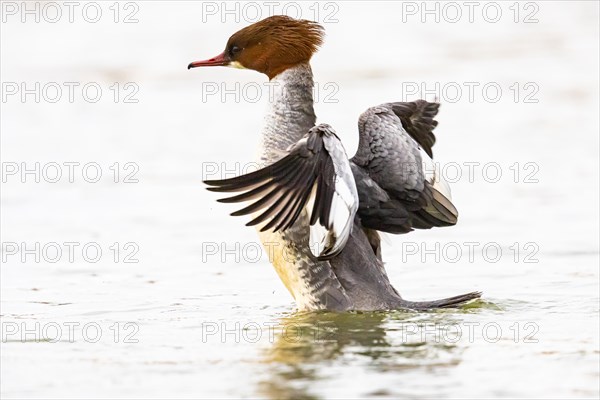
point(202, 314)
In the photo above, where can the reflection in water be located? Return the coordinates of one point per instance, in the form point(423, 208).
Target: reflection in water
point(306, 343)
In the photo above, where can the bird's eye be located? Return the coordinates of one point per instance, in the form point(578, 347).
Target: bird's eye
point(234, 50)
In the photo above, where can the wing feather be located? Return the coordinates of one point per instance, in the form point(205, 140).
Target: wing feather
point(397, 183)
point(417, 118)
point(316, 176)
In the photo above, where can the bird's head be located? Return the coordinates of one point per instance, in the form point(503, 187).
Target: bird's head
point(269, 46)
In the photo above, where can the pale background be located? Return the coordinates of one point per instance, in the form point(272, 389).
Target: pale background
point(178, 291)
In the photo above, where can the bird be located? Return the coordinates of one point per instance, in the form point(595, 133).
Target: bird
point(318, 212)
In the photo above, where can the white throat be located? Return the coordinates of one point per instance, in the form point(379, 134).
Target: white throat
point(290, 113)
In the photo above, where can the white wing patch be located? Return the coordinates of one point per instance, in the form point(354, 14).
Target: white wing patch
point(442, 196)
point(433, 176)
point(328, 242)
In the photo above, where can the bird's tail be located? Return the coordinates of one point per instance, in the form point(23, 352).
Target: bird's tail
point(443, 303)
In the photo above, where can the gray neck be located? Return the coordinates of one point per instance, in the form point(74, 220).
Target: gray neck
point(290, 114)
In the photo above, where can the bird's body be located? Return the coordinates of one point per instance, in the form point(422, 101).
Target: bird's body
point(290, 115)
point(318, 212)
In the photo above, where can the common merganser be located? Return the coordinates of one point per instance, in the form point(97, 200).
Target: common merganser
point(318, 212)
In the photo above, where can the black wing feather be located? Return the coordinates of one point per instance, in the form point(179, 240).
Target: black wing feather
point(283, 188)
point(417, 118)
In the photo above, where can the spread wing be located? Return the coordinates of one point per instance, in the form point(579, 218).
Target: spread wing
point(315, 175)
point(399, 188)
